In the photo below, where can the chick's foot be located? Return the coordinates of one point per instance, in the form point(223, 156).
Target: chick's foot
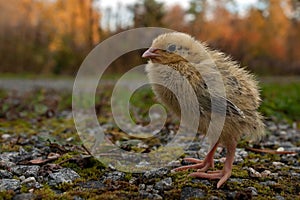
point(201, 165)
point(223, 174)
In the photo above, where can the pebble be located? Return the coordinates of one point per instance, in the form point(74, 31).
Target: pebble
point(5, 174)
point(254, 173)
point(9, 156)
point(280, 149)
point(214, 198)
point(174, 163)
point(133, 180)
point(6, 136)
point(191, 192)
point(9, 184)
point(266, 173)
point(278, 164)
point(22, 178)
point(283, 126)
point(146, 195)
point(26, 170)
point(114, 176)
point(268, 183)
point(29, 180)
point(278, 197)
point(7, 164)
point(156, 173)
point(152, 184)
point(65, 175)
point(142, 164)
point(165, 184)
point(253, 191)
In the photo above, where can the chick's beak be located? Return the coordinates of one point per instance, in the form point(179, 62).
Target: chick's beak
point(150, 53)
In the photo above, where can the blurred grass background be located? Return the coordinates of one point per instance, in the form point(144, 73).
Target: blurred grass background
point(49, 39)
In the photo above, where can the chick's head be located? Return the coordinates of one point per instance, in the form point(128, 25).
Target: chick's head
point(174, 47)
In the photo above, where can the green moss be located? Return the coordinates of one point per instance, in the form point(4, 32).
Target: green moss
point(24, 189)
point(45, 193)
point(239, 173)
point(7, 195)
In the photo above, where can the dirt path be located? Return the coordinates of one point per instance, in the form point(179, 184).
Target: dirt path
point(23, 85)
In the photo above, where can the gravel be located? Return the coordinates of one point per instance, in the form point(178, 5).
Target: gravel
point(16, 171)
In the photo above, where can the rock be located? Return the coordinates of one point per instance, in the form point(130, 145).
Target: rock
point(272, 127)
point(133, 180)
point(157, 196)
point(92, 185)
point(278, 165)
point(145, 195)
point(5, 174)
point(214, 198)
point(156, 173)
point(165, 184)
point(29, 181)
point(266, 173)
point(114, 176)
point(9, 184)
point(65, 175)
point(24, 196)
point(280, 149)
point(231, 195)
point(148, 192)
point(195, 146)
point(278, 197)
point(22, 178)
point(254, 173)
point(6, 136)
point(253, 191)
point(268, 183)
point(26, 170)
point(282, 133)
point(174, 163)
point(202, 181)
point(190, 192)
point(111, 167)
point(283, 126)
point(9, 156)
point(143, 164)
point(6, 164)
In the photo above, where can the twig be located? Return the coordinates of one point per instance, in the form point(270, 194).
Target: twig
point(270, 151)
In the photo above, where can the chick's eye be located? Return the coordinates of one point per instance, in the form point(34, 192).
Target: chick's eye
point(171, 48)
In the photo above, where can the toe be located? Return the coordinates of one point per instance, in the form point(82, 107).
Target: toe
point(206, 175)
point(223, 179)
point(196, 166)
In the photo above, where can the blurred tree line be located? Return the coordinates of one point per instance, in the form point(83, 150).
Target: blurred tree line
point(46, 36)
point(54, 36)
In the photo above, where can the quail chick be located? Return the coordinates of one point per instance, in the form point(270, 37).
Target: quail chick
point(198, 64)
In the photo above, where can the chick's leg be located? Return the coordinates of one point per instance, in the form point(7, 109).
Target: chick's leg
point(223, 174)
point(201, 165)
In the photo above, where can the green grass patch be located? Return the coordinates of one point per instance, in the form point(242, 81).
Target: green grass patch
point(281, 101)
